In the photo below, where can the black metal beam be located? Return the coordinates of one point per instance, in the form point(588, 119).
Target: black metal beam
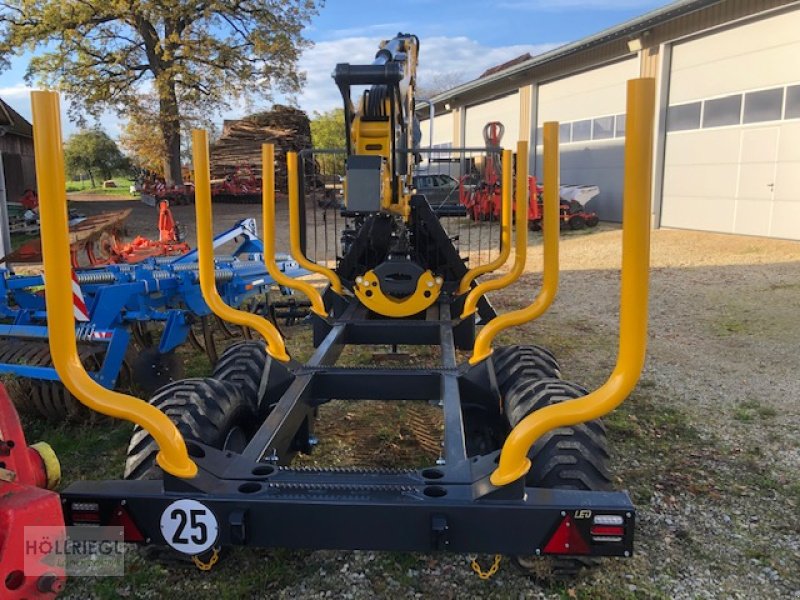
point(371, 517)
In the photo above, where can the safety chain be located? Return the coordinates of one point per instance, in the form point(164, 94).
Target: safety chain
point(490, 571)
point(206, 566)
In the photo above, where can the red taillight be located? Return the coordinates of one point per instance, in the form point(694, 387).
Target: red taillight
point(607, 530)
point(85, 513)
point(566, 540)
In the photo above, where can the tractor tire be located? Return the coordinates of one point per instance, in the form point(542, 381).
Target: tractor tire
point(566, 458)
point(215, 413)
point(244, 365)
point(577, 222)
point(515, 365)
point(592, 220)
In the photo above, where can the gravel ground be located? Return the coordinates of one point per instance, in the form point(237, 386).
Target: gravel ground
point(707, 445)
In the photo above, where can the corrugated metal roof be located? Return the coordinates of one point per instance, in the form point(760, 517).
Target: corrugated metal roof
point(626, 29)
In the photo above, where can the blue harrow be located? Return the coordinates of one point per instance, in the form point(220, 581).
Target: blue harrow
point(138, 314)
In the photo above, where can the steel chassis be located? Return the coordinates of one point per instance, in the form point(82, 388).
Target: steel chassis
point(260, 501)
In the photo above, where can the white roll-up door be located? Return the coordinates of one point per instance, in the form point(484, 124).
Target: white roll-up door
point(590, 107)
point(732, 156)
point(505, 110)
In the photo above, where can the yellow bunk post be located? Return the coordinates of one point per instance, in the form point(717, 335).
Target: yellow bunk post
point(268, 214)
point(521, 217)
point(514, 462)
point(172, 455)
point(505, 247)
point(205, 255)
point(551, 234)
point(294, 226)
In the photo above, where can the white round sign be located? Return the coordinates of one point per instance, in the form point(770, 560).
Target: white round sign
point(189, 527)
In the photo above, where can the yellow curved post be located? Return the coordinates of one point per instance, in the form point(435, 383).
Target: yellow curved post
point(521, 217)
point(505, 247)
point(268, 213)
point(205, 255)
point(172, 455)
point(551, 233)
point(294, 226)
point(514, 462)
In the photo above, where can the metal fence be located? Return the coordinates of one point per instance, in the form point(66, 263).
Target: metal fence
point(449, 179)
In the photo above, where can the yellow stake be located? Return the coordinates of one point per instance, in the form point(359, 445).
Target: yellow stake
point(294, 226)
point(551, 233)
point(514, 462)
point(268, 211)
point(172, 455)
point(521, 216)
point(205, 255)
point(505, 247)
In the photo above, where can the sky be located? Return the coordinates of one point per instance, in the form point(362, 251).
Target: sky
point(460, 38)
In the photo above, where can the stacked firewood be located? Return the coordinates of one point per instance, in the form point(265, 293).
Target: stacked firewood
point(240, 144)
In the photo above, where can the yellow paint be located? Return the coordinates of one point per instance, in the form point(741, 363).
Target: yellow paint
point(52, 466)
point(505, 245)
point(268, 215)
point(368, 290)
point(521, 217)
point(551, 233)
point(294, 227)
point(172, 455)
point(514, 462)
point(205, 255)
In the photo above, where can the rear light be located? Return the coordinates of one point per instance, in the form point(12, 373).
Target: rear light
point(566, 539)
point(122, 518)
point(607, 529)
point(607, 520)
point(85, 513)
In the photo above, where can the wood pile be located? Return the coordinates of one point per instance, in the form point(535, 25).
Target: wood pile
point(240, 144)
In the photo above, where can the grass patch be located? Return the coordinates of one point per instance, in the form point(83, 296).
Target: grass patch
point(86, 451)
point(730, 326)
point(752, 410)
point(655, 447)
point(85, 187)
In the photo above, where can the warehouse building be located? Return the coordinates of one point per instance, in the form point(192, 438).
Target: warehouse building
point(727, 154)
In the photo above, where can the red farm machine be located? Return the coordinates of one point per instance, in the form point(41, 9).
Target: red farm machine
point(480, 191)
point(523, 464)
point(28, 474)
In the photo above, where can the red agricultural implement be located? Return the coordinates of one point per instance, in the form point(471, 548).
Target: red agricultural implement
point(97, 241)
point(481, 191)
point(240, 186)
point(27, 473)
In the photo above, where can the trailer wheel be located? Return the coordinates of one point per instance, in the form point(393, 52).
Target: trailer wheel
point(244, 365)
point(215, 413)
point(577, 222)
point(515, 365)
point(567, 458)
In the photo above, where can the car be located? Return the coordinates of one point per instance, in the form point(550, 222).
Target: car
point(439, 189)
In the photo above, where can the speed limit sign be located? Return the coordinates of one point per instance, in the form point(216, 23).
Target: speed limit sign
point(189, 526)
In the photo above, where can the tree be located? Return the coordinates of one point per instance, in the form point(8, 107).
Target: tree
point(438, 83)
point(92, 152)
point(327, 131)
point(140, 141)
point(196, 56)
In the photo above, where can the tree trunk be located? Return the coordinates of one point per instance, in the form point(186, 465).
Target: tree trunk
point(169, 117)
point(91, 176)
